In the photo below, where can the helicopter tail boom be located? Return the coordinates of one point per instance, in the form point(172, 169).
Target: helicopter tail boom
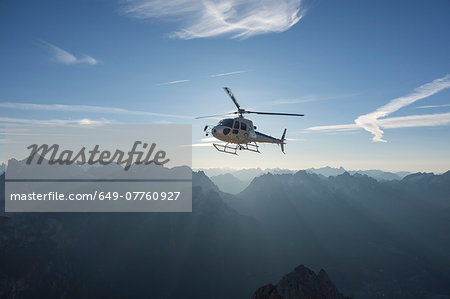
point(263, 138)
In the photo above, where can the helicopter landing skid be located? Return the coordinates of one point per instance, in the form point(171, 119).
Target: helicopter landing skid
point(232, 148)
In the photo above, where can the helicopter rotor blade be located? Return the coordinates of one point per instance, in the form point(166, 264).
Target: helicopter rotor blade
point(215, 115)
point(274, 113)
point(232, 97)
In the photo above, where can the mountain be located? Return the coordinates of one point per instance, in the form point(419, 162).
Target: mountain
point(302, 283)
point(326, 171)
point(373, 173)
point(379, 175)
point(229, 183)
point(388, 233)
point(402, 174)
point(199, 179)
point(247, 175)
point(117, 255)
point(376, 239)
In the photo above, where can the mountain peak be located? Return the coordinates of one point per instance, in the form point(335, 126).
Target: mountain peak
point(301, 283)
point(418, 176)
point(200, 179)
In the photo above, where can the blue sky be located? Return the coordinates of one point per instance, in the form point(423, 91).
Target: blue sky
point(335, 61)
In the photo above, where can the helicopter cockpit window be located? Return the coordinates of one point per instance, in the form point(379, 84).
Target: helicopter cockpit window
point(236, 125)
point(226, 123)
point(244, 126)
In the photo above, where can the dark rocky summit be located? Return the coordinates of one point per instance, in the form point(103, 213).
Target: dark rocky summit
point(302, 283)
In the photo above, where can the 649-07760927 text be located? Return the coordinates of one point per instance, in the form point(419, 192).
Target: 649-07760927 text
point(96, 195)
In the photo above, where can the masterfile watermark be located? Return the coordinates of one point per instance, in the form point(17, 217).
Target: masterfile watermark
point(67, 157)
point(101, 168)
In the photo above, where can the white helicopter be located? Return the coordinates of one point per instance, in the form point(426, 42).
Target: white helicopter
point(240, 133)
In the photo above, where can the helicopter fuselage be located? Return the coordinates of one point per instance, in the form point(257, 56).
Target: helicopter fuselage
point(240, 131)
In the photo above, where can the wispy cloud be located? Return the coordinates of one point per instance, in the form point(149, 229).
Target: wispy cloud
point(311, 98)
point(347, 127)
point(212, 76)
point(205, 142)
point(201, 144)
point(207, 18)
point(173, 82)
point(423, 120)
point(208, 139)
point(433, 106)
point(292, 101)
point(84, 121)
point(61, 56)
point(84, 108)
point(369, 122)
point(228, 74)
point(374, 122)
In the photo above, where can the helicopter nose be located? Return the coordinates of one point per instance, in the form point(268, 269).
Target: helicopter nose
point(214, 131)
point(220, 131)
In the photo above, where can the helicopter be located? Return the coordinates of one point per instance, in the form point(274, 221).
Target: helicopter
point(239, 133)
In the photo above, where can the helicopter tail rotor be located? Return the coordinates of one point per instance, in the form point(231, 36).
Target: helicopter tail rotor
point(282, 141)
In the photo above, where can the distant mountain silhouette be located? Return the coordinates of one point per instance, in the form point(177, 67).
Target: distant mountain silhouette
point(229, 183)
point(247, 175)
point(326, 171)
point(302, 283)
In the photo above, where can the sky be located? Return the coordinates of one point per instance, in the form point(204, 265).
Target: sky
point(371, 77)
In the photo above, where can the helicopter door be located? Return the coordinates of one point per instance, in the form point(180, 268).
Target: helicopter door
point(236, 127)
point(244, 130)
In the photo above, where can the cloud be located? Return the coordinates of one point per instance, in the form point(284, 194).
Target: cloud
point(201, 144)
point(424, 120)
point(369, 122)
point(208, 139)
point(293, 101)
point(205, 142)
point(374, 122)
point(347, 127)
point(64, 57)
point(84, 121)
point(173, 82)
point(311, 98)
point(228, 74)
point(433, 106)
point(208, 18)
point(84, 108)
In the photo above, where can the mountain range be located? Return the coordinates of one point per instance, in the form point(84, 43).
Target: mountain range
point(234, 181)
point(374, 239)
